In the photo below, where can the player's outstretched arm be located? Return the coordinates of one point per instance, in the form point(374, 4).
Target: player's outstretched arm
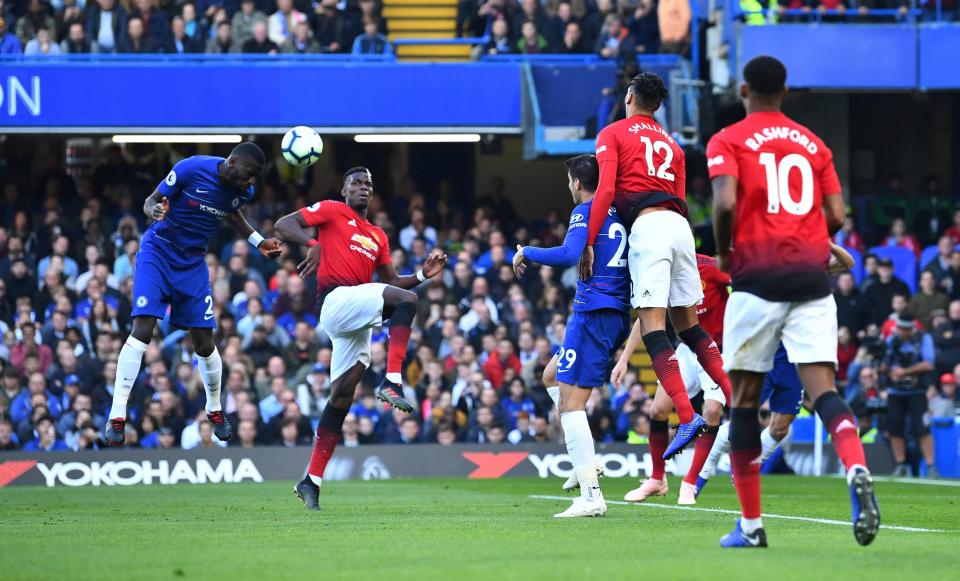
point(294, 229)
point(724, 208)
point(268, 247)
point(629, 348)
point(432, 267)
point(563, 256)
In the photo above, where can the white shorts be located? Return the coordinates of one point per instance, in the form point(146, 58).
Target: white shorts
point(663, 262)
point(695, 378)
point(754, 327)
point(348, 316)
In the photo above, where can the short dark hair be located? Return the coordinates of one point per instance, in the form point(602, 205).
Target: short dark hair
point(354, 170)
point(584, 168)
point(250, 151)
point(765, 76)
point(650, 89)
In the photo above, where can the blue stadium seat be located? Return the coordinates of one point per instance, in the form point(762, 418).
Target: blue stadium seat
point(857, 270)
point(928, 254)
point(904, 263)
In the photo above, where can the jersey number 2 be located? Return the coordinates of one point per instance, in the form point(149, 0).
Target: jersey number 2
point(778, 183)
point(663, 172)
point(618, 231)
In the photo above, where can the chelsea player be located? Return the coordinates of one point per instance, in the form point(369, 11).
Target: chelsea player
point(599, 324)
point(171, 269)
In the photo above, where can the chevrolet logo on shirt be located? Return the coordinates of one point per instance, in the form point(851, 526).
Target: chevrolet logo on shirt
point(366, 242)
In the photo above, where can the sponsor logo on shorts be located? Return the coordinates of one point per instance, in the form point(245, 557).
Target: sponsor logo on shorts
point(645, 294)
point(142, 301)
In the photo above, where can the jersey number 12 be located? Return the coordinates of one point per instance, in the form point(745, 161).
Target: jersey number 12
point(662, 147)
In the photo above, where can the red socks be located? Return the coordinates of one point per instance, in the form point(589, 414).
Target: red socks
point(326, 440)
point(659, 435)
point(700, 453)
point(400, 322)
point(839, 419)
point(667, 368)
point(708, 355)
point(745, 459)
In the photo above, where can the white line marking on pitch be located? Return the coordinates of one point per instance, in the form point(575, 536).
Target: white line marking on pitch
point(824, 521)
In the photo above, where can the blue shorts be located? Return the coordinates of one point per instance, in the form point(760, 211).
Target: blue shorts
point(782, 386)
point(590, 340)
point(157, 283)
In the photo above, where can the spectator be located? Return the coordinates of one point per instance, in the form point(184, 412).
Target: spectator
point(615, 42)
point(106, 22)
point(246, 434)
point(244, 20)
point(223, 42)
point(927, 299)
point(940, 266)
point(182, 43)
point(953, 232)
point(28, 347)
point(900, 237)
point(850, 304)
point(496, 367)
point(572, 41)
point(9, 43)
point(555, 28)
point(192, 27)
point(61, 246)
point(8, 439)
point(848, 237)
point(644, 27)
point(301, 41)
point(167, 438)
point(417, 228)
point(258, 43)
point(947, 339)
point(282, 23)
point(46, 440)
point(909, 364)
point(330, 26)
point(898, 305)
point(42, 43)
point(35, 18)
point(531, 41)
point(272, 405)
point(410, 431)
point(371, 42)
point(943, 403)
point(530, 11)
point(499, 42)
point(76, 41)
point(878, 298)
point(156, 29)
point(134, 42)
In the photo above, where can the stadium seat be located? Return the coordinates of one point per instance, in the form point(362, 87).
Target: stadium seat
point(857, 270)
point(927, 256)
point(904, 263)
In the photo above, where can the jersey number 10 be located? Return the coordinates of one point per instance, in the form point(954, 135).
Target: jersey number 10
point(778, 183)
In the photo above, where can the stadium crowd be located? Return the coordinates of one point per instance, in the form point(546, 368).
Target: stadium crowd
point(482, 337)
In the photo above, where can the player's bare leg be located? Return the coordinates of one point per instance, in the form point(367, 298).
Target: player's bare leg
point(128, 367)
point(342, 391)
point(712, 415)
point(656, 485)
point(818, 381)
point(580, 447)
point(211, 371)
point(549, 379)
point(400, 306)
point(744, 459)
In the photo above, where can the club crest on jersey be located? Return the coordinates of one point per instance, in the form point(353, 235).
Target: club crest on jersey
point(142, 301)
point(314, 207)
point(171, 178)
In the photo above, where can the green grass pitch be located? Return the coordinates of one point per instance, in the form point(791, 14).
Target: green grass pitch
point(459, 530)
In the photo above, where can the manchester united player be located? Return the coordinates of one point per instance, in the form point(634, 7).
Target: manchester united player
point(642, 172)
point(777, 200)
point(710, 314)
point(346, 252)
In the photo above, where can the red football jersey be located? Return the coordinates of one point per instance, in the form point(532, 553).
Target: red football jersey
point(781, 246)
point(715, 293)
point(640, 166)
point(351, 248)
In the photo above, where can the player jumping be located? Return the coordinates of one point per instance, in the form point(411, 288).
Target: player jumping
point(171, 268)
point(777, 200)
point(598, 325)
point(642, 172)
point(710, 313)
point(783, 392)
point(347, 251)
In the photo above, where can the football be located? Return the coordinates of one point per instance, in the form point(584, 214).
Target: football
point(301, 146)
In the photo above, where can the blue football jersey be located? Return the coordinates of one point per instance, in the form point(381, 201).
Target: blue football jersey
point(198, 202)
point(609, 287)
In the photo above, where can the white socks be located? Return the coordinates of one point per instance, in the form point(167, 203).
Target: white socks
point(579, 439)
point(128, 367)
point(395, 378)
point(554, 393)
point(748, 525)
point(211, 370)
point(767, 444)
point(315, 479)
point(720, 447)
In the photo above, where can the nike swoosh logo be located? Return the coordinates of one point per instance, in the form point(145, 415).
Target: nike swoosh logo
point(199, 191)
point(207, 317)
point(752, 541)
